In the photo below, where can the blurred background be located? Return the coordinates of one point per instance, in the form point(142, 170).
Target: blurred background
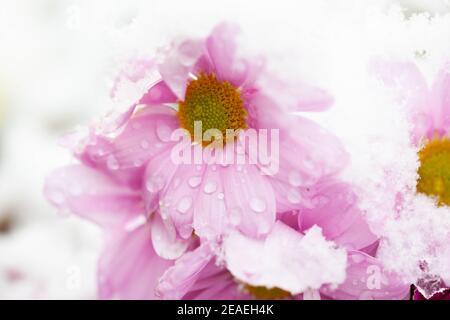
point(58, 59)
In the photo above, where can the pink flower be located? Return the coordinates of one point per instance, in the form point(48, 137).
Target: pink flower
point(425, 212)
point(327, 252)
point(429, 106)
point(178, 230)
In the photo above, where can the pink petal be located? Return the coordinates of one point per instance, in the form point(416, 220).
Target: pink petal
point(295, 96)
point(157, 177)
point(138, 70)
point(164, 238)
point(158, 94)
point(222, 55)
point(318, 152)
point(410, 88)
point(221, 47)
point(335, 211)
point(180, 197)
point(216, 283)
point(210, 214)
point(366, 279)
point(179, 279)
point(179, 62)
point(285, 259)
point(129, 267)
point(125, 156)
point(440, 102)
point(135, 70)
point(249, 199)
point(92, 195)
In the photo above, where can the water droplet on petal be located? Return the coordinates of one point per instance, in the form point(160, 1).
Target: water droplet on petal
point(194, 181)
point(258, 205)
point(357, 258)
point(163, 131)
point(221, 196)
point(155, 184)
point(185, 204)
point(210, 187)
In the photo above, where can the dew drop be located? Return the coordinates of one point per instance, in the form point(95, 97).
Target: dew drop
point(295, 179)
point(185, 204)
point(210, 187)
point(155, 184)
point(258, 205)
point(357, 258)
point(163, 132)
point(220, 196)
point(194, 181)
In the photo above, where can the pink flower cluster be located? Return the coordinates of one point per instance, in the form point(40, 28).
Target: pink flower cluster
point(219, 230)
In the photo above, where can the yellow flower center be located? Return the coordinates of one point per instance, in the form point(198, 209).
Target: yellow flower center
point(434, 170)
point(263, 293)
point(216, 104)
